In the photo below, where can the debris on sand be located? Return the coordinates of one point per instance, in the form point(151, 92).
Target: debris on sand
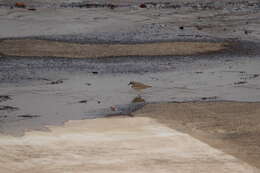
point(88, 84)
point(250, 76)
point(254, 76)
point(56, 82)
point(113, 108)
point(199, 27)
point(32, 9)
point(138, 85)
point(20, 5)
point(247, 32)
point(138, 99)
point(209, 98)
point(28, 116)
point(181, 27)
point(142, 6)
point(111, 6)
point(8, 108)
point(240, 82)
point(94, 72)
point(83, 101)
point(88, 5)
point(3, 116)
point(4, 98)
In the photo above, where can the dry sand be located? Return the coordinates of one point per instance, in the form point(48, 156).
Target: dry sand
point(140, 144)
point(233, 127)
point(113, 145)
point(45, 48)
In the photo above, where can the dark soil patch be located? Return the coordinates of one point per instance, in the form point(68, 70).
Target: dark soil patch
point(4, 98)
point(8, 108)
point(28, 116)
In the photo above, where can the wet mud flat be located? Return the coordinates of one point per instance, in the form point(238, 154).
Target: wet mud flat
point(158, 20)
point(165, 66)
point(40, 90)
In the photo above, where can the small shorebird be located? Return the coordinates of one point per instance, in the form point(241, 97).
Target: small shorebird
point(138, 85)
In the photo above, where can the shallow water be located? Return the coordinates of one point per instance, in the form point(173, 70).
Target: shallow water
point(52, 91)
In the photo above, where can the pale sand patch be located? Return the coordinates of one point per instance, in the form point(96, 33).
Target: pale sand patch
point(113, 145)
point(45, 48)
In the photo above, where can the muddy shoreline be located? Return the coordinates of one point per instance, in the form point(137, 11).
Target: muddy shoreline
point(83, 88)
point(178, 93)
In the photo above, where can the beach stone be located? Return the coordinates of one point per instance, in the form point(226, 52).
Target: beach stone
point(142, 6)
point(20, 5)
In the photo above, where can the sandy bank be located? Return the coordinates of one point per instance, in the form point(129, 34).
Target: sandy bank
point(144, 143)
point(232, 127)
point(113, 145)
point(43, 48)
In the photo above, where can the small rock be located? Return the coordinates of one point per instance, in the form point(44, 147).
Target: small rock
point(32, 9)
point(83, 101)
point(98, 102)
point(111, 6)
point(8, 108)
point(142, 6)
point(4, 98)
point(94, 72)
point(56, 82)
point(3, 116)
point(255, 75)
point(240, 82)
point(181, 27)
point(113, 108)
point(20, 5)
point(199, 27)
point(28, 116)
point(88, 84)
point(209, 98)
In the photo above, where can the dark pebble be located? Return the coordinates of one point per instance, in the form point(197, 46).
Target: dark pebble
point(83, 101)
point(28, 116)
point(142, 6)
point(56, 82)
